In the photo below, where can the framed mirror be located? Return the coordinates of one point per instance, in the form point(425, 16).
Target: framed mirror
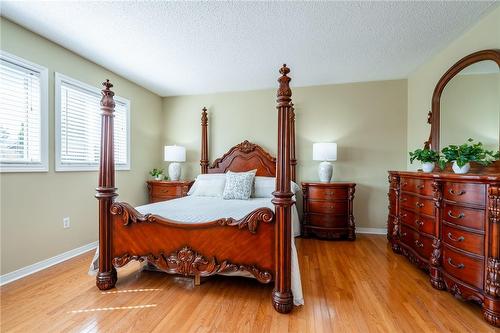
point(466, 103)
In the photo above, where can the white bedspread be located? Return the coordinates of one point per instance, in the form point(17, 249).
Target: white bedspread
point(202, 209)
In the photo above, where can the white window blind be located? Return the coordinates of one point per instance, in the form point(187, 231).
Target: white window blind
point(23, 115)
point(78, 126)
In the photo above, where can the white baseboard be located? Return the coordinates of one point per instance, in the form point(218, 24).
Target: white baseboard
point(373, 231)
point(28, 270)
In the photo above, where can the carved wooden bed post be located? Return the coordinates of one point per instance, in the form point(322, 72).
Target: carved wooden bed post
point(106, 191)
point(293, 160)
point(204, 141)
point(282, 293)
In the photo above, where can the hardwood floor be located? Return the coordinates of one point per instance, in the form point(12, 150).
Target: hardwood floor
point(356, 286)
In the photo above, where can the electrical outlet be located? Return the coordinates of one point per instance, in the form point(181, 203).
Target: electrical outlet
point(66, 223)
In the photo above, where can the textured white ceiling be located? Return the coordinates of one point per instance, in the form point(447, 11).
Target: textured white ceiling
point(177, 48)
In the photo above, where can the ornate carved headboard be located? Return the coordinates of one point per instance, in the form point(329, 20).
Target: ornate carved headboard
point(244, 156)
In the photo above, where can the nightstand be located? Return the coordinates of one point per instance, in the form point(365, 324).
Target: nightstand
point(328, 210)
point(162, 190)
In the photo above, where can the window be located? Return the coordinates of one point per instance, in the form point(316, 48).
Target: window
point(78, 127)
point(23, 115)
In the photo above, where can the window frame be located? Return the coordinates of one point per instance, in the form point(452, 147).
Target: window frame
point(43, 165)
point(59, 167)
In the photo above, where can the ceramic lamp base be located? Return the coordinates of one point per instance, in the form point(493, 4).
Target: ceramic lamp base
point(325, 172)
point(174, 171)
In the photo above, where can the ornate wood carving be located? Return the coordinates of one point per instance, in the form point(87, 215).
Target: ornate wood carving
point(188, 262)
point(106, 191)
point(492, 284)
point(204, 141)
point(251, 221)
point(243, 157)
point(282, 293)
point(493, 55)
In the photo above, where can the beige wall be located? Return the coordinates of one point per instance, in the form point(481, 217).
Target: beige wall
point(34, 204)
point(367, 120)
point(484, 35)
point(470, 106)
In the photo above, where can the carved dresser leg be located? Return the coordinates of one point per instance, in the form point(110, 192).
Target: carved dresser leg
point(491, 311)
point(106, 280)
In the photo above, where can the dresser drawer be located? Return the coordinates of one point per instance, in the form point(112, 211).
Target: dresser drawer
point(420, 222)
point(327, 193)
point(466, 217)
point(462, 267)
point(328, 221)
point(467, 241)
point(421, 244)
point(417, 204)
point(419, 186)
point(327, 207)
point(465, 193)
point(165, 191)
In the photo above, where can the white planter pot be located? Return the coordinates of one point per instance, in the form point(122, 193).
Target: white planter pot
point(428, 166)
point(460, 170)
point(159, 177)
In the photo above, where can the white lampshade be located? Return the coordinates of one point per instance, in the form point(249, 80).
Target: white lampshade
point(325, 151)
point(175, 154)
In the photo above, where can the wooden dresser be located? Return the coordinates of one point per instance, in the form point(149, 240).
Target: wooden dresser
point(328, 210)
point(449, 225)
point(162, 190)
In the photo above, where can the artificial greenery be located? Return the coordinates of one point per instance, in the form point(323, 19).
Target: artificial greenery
point(424, 155)
point(156, 172)
point(468, 152)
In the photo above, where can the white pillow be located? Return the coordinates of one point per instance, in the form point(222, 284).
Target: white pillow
point(209, 188)
point(265, 186)
point(239, 185)
point(218, 180)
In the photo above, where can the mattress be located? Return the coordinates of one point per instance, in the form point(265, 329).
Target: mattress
point(192, 209)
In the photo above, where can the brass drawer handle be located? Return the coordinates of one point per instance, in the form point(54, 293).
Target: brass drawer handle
point(459, 266)
point(456, 217)
point(403, 234)
point(459, 239)
point(404, 215)
point(329, 193)
point(419, 205)
point(453, 192)
point(419, 223)
point(404, 184)
point(420, 187)
point(404, 199)
point(419, 243)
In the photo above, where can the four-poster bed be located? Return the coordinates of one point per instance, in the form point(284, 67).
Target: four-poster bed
point(259, 244)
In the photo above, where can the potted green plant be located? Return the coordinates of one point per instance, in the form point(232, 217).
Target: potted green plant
point(427, 157)
point(462, 155)
point(157, 173)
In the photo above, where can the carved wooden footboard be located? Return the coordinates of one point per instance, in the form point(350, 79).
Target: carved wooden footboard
point(203, 249)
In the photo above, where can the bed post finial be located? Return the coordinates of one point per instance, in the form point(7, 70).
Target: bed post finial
point(106, 191)
point(282, 294)
point(204, 141)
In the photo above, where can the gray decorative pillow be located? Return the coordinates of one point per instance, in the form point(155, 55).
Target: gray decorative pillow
point(238, 185)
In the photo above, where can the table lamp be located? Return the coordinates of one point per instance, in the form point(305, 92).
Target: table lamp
point(174, 155)
point(325, 152)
